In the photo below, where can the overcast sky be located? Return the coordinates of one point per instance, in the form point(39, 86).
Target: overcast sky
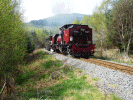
point(39, 9)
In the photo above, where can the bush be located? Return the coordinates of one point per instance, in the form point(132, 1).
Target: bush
point(30, 43)
point(12, 36)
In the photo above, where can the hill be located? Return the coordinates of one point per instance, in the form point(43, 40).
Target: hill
point(57, 20)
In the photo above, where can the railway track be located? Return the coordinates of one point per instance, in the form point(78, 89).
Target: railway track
point(123, 68)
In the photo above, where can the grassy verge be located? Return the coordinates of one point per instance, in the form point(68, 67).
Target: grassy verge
point(42, 77)
point(114, 55)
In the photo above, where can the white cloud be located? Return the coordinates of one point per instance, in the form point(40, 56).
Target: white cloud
point(61, 7)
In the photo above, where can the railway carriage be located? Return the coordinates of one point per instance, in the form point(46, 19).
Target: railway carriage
point(77, 41)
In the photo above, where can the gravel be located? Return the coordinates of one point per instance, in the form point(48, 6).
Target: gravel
point(110, 80)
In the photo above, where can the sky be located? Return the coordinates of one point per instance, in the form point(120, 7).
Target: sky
point(39, 9)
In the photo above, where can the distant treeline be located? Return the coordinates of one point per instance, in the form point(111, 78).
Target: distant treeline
point(39, 22)
point(112, 24)
point(57, 20)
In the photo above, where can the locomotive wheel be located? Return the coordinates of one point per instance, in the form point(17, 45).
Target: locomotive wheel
point(85, 55)
point(75, 55)
point(58, 51)
point(69, 52)
point(54, 49)
point(64, 51)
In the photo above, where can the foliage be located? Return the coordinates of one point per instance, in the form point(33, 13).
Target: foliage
point(30, 43)
point(39, 22)
point(39, 37)
point(97, 22)
point(122, 24)
point(12, 36)
point(76, 21)
point(85, 20)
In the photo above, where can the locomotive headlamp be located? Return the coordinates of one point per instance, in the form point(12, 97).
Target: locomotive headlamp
point(71, 38)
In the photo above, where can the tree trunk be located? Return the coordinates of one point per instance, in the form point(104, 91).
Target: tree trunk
point(101, 47)
point(128, 45)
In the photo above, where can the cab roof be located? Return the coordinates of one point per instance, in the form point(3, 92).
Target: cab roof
point(66, 26)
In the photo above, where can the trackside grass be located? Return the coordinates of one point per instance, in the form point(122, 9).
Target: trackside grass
point(114, 55)
point(41, 76)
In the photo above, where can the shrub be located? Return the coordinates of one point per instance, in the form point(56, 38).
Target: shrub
point(12, 36)
point(30, 43)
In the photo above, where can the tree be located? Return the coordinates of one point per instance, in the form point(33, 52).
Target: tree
point(12, 37)
point(76, 21)
point(85, 20)
point(105, 6)
point(39, 37)
point(106, 9)
point(30, 42)
point(122, 23)
point(97, 22)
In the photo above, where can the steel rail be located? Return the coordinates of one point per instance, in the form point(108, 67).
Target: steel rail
point(123, 68)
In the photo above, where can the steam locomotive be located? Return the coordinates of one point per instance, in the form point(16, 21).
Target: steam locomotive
point(76, 41)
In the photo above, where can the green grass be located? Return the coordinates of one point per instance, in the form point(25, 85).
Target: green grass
point(22, 78)
point(35, 82)
point(75, 89)
point(71, 88)
point(33, 57)
point(50, 63)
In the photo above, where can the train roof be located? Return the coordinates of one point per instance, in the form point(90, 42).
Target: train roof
point(66, 26)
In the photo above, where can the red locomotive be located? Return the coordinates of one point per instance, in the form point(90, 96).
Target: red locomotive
point(76, 40)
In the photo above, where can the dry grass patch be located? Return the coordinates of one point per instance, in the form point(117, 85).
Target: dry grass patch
point(114, 55)
point(79, 73)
